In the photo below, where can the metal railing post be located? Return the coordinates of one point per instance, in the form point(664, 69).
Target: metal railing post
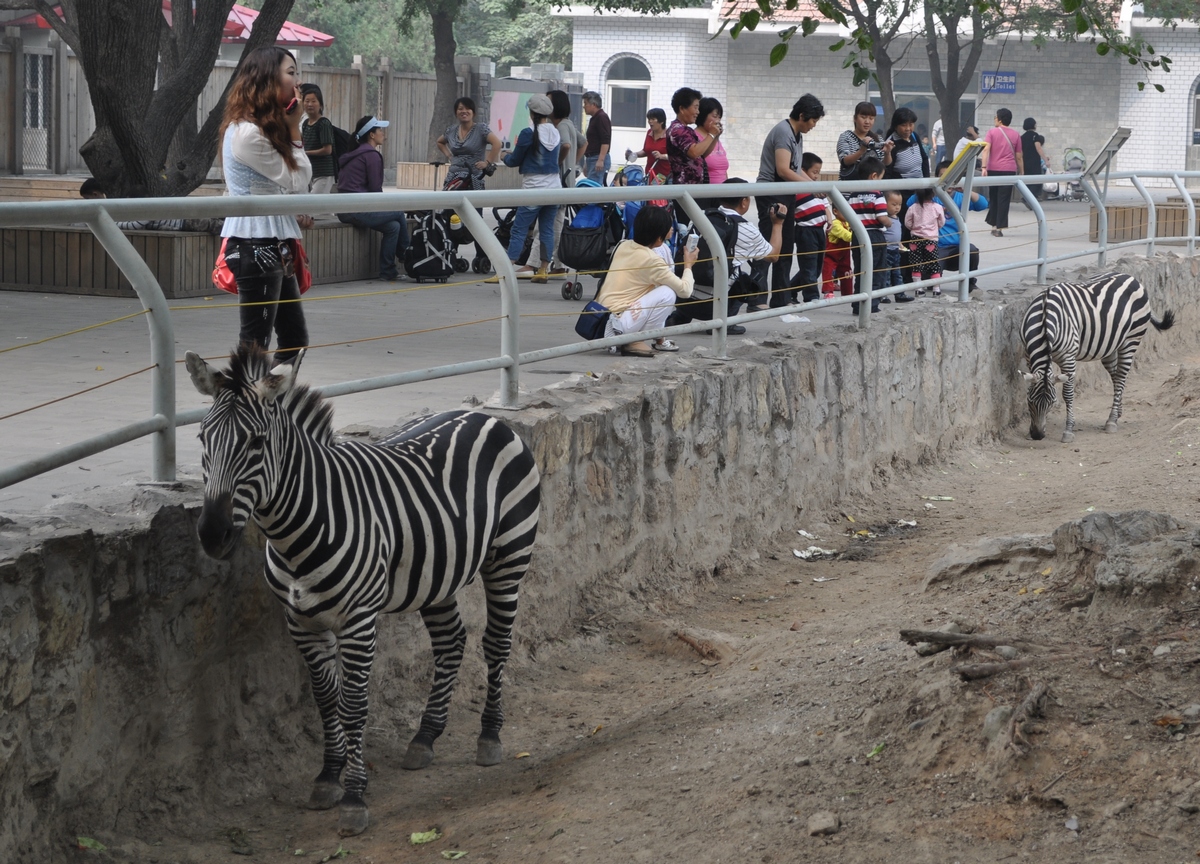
point(720, 309)
point(162, 339)
point(948, 202)
point(867, 259)
point(1101, 220)
point(1151, 216)
point(510, 301)
point(1043, 229)
point(1191, 207)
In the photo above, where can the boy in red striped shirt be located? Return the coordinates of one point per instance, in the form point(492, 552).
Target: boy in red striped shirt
point(812, 218)
point(871, 208)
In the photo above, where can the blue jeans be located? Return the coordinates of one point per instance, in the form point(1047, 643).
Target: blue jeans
point(393, 225)
point(520, 230)
point(593, 172)
point(891, 258)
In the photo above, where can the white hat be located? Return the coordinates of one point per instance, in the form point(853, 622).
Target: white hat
point(373, 123)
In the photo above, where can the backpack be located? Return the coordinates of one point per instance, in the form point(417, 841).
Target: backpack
point(430, 254)
point(343, 143)
point(727, 229)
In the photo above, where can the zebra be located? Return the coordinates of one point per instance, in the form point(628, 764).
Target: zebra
point(356, 529)
point(1103, 318)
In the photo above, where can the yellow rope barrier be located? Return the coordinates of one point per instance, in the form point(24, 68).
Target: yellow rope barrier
point(78, 392)
point(71, 333)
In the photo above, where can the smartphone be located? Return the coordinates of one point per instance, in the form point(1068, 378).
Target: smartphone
point(291, 107)
point(693, 242)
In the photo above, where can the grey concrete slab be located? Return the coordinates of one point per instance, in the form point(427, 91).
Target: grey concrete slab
point(409, 327)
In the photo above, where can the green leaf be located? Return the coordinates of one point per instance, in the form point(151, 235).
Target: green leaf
point(751, 18)
point(1082, 25)
point(1159, 88)
point(861, 73)
point(737, 28)
point(1070, 6)
point(838, 45)
point(878, 748)
point(1141, 85)
point(89, 843)
point(1102, 48)
point(809, 26)
point(778, 52)
point(419, 838)
point(765, 9)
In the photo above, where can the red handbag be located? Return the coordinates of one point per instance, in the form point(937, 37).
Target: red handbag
point(223, 277)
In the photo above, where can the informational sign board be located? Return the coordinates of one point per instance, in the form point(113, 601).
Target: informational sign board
point(997, 82)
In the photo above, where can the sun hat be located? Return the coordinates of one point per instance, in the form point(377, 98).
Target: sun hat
point(540, 104)
point(371, 124)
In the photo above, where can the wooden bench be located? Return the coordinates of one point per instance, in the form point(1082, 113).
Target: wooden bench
point(1131, 222)
point(69, 260)
point(50, 187)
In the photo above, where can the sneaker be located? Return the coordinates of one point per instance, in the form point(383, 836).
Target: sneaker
point(526, 272)
point(904, 298)
point(828, 296)
point(558, 271)
point(731, 330)
point(937, 292)
point(665, 345)
point(889, 299)
point(538, 278)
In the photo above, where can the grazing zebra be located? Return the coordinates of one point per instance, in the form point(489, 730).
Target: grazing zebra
point(1101, 319)
point(356, 529)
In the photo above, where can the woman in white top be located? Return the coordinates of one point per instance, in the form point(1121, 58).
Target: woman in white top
point(263, 154)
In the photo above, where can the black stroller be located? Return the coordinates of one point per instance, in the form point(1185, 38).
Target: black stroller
point(505, 216)
point(588, 237)
point(458, 233)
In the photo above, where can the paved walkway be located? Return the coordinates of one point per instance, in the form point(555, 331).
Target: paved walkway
point(353, 311)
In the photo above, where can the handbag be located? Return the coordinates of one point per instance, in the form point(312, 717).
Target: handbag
point(224, 279)
point(592, 321)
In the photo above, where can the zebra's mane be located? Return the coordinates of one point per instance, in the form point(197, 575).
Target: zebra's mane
point(249, 364)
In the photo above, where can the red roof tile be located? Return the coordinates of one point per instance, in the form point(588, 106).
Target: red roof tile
point(731, 9)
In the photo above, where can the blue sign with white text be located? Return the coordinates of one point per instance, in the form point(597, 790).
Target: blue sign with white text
point(997, 82)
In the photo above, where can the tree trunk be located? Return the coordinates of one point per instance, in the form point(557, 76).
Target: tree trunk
point(444, 47)
point(950, 86)
point(887, 92)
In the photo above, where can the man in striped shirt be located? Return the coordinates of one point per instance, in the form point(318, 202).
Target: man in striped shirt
point(812, 218)
point(871, 208)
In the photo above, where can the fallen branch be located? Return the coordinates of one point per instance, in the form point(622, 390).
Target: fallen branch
point(975, 671)
point(968, 640)
point(703, 648)
point(1054, 782)
point(1030, 707)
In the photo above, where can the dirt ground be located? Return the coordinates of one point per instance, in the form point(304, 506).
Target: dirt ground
point(624, 743)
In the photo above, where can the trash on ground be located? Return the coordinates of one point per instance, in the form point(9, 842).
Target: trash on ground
point(907, 523)
point(1072, 824)
point(453, 854)
point(876, 750)
point(420, 838)
point(806, 535)
point(825, 578)
point(936, 498)
point(89, 843)
point(522, 755)
point(794, 319)
point(341, 852)
point(814, 553)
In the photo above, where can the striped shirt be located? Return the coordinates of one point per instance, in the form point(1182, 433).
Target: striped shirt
point(907, 158)
point(750, 245)
point(811, 211)
point(847, 145)
point(869, 206)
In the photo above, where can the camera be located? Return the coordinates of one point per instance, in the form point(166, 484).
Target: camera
point(489, 169)
point(781, 211)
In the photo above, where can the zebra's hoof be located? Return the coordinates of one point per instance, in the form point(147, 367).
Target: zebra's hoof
point(489, 751)
point(418, 756)
point(352, 818)
point(325, 795)
point(1068, 437)
point(1110, 427)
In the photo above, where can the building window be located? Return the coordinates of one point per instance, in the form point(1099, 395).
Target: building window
point(627, 100)
point(1196, 117)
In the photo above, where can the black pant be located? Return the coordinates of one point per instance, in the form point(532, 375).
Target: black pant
point(948, 257)
point(259, 268)
point(810, 257)
point(878, 262)
point(781, 270)
point(1001, 197)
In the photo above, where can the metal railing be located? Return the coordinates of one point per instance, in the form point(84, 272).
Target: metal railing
point(100, 217)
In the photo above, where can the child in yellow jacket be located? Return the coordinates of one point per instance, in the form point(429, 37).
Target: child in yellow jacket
point(838, 265)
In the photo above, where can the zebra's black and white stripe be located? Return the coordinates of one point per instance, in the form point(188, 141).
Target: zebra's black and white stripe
point(1103, 318)
point(356, 529)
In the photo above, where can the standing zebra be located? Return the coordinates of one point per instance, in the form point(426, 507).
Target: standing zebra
point(356, 529)
point(1101, 319)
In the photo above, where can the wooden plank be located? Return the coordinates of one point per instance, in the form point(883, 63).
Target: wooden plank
point(8, 255)
point(60, 259)
point(34, 261)
point(21, 273)
point(86, 264)
point(73, 258)
point(48, 257)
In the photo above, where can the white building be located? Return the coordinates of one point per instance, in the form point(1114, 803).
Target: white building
point(1078, 98)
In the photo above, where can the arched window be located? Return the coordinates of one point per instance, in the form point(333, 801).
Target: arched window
point(628, 82)
point(1196, 114)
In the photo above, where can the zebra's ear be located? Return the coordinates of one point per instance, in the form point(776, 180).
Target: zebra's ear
point(1028, 376)
point(205, 378)
point(279, 381)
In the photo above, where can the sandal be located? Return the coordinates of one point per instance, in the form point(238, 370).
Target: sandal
point(665, 345)
point(637, 349)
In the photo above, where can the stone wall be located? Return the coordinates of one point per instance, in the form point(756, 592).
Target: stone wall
point(141, 682)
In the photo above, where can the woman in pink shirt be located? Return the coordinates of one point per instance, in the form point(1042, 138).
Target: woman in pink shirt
point(1001, 157)
point(708, 125)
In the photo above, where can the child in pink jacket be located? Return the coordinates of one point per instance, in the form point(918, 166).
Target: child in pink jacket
point(923, 220)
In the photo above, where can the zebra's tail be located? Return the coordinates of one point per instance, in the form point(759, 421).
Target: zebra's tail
point(1168, 319)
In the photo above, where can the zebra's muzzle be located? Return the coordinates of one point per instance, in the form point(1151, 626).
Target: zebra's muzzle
point(218, 535)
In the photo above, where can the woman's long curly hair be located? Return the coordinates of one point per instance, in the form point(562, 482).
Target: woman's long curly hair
point(254, 98)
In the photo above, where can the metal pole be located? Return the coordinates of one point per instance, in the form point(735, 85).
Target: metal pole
point(510, 301)
point(1151, 216)
point(720, 273)
point(1043, 228)
point(162, 339)
point(866, 259)
point(963, 262)
point(1101, 219)
point(1191, 205)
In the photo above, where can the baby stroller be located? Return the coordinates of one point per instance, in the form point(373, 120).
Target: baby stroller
point(458, 233)
point(1073, 161)
point(503, 232)
point(629, 175)
point(587, 238)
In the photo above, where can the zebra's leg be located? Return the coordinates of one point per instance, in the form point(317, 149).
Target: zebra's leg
point(356, 645)
point(501, 582)
point(320, 655)
point(1118, 366)
point(1068, 370)
point(449, 638)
